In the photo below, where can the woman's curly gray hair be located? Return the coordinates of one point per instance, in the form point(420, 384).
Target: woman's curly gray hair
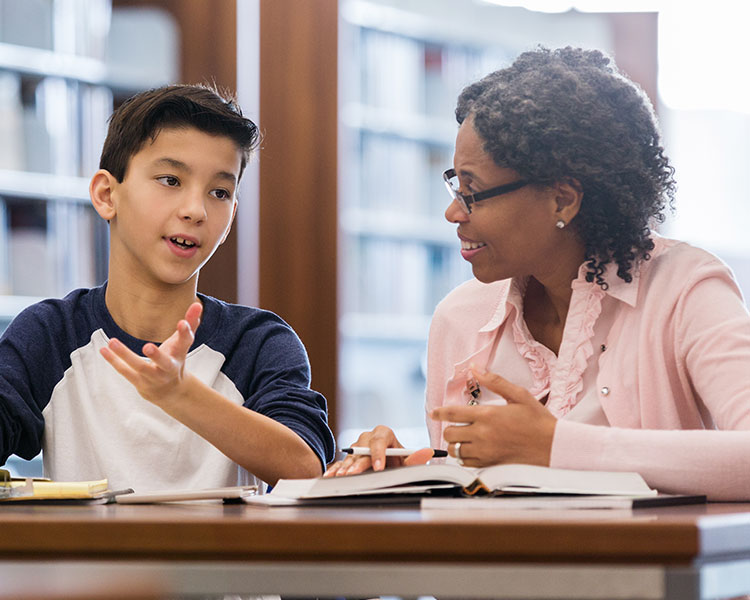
point(570, 113)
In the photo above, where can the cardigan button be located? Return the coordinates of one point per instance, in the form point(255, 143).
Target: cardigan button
point(605, 391)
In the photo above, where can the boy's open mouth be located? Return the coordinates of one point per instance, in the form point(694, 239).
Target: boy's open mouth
point(182, 242)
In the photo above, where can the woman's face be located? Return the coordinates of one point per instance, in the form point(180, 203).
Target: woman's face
point(512, 235)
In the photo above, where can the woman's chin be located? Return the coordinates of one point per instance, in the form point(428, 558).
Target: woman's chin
point(485, 277)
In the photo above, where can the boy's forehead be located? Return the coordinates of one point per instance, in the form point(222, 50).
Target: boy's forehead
point(184, 146)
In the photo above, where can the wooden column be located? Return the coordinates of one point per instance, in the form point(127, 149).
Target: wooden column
point(298, 176)
point(298, 160)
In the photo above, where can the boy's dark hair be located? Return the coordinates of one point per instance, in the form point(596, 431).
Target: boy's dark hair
point(571, 113)
point(143, 116)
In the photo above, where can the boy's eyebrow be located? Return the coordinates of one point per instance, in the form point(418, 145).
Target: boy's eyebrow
point(178, 164)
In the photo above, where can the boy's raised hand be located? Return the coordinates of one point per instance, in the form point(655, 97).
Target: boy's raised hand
point(158, 378)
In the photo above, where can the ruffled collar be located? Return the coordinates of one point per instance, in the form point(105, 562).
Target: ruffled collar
point(561, 376)
point(511, 295)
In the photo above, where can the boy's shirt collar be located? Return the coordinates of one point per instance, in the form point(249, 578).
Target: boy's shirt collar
point(209, 322)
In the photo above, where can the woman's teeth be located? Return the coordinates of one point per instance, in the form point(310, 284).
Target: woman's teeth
point(471, 245)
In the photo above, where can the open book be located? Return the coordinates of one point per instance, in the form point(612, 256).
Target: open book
point(450, 478)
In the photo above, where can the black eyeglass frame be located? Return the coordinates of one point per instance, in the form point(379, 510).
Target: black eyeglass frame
point(466, 200)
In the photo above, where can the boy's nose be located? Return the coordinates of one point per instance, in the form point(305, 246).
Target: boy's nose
point(193, 208)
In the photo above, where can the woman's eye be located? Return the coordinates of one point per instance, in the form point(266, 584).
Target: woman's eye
point(221, 194)
point(168, 180)
point(466, 187)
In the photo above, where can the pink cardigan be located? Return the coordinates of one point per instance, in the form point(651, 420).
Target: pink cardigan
point(675, 372)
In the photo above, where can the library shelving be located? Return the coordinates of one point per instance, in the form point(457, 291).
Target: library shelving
point(402, 66)
point(399, 257)
point(57, 90)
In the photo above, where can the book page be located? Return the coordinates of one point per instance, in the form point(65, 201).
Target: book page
point(538, 479)
point(371, 480)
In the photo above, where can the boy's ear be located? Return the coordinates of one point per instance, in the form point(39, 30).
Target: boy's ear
point(569, 194)
point(229, 227)
point(100, 190)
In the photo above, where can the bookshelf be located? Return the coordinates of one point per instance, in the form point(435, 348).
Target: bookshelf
point(57, 89)
point(58, 86)
point(402, 66)
point(398, 255)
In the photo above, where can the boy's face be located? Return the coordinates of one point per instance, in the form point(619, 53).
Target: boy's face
point(174, 206)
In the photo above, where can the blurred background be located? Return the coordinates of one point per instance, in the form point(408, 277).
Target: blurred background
point(340, 227)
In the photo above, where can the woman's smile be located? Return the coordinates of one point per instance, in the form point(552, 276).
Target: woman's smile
point(470, 248)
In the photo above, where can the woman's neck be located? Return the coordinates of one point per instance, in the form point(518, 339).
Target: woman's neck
point(547, 300)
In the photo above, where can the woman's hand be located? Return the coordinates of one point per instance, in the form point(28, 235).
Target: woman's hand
point(520, 432)
point(157, 379)
point(377, 441)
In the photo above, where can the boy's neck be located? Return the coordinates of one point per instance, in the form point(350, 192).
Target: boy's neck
point(148, 313)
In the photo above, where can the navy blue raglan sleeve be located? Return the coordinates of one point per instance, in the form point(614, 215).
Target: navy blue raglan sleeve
point(27, 377)
point(278, 385)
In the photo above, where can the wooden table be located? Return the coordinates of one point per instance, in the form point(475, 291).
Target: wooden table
point(678, 553)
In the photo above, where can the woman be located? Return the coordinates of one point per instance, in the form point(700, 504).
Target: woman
point(595, 343)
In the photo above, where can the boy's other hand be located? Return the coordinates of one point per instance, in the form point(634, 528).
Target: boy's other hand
point(157, 378)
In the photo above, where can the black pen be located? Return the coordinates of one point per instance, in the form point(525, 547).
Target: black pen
point(361, 451)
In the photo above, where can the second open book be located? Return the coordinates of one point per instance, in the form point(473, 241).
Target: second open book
point(444, 478)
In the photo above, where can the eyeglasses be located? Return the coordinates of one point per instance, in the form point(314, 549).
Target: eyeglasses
point(466, 200)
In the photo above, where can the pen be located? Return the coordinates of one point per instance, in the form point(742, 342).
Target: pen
point(472, 387)
point(360, 451)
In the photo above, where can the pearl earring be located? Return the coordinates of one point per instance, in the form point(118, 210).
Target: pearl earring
point(560, 224)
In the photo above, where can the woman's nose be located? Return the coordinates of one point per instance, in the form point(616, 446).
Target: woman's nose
point(455, 213)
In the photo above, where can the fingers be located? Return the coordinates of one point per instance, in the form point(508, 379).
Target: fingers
point(193, 315)
point(383, 437)
point(119, 355)
point(419, 457)
point(115, 356)
point(377, 441)
point(348, 467)
point(160, 359)
point(457, 414)
point(351, 465)
point(460, 444)
point(178, 344)
point(511, 392)
point(126, 362)
point(358, 464)
point(332, 469)
point(185, 337)
point(133, 367)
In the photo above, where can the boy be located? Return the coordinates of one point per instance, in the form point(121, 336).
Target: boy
point(170, 410)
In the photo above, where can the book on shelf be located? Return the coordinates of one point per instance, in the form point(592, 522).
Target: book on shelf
point(32, 490)
point(451, 479)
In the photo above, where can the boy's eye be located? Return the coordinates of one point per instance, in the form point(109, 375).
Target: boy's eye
point(221, 194)
point(169, 180)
